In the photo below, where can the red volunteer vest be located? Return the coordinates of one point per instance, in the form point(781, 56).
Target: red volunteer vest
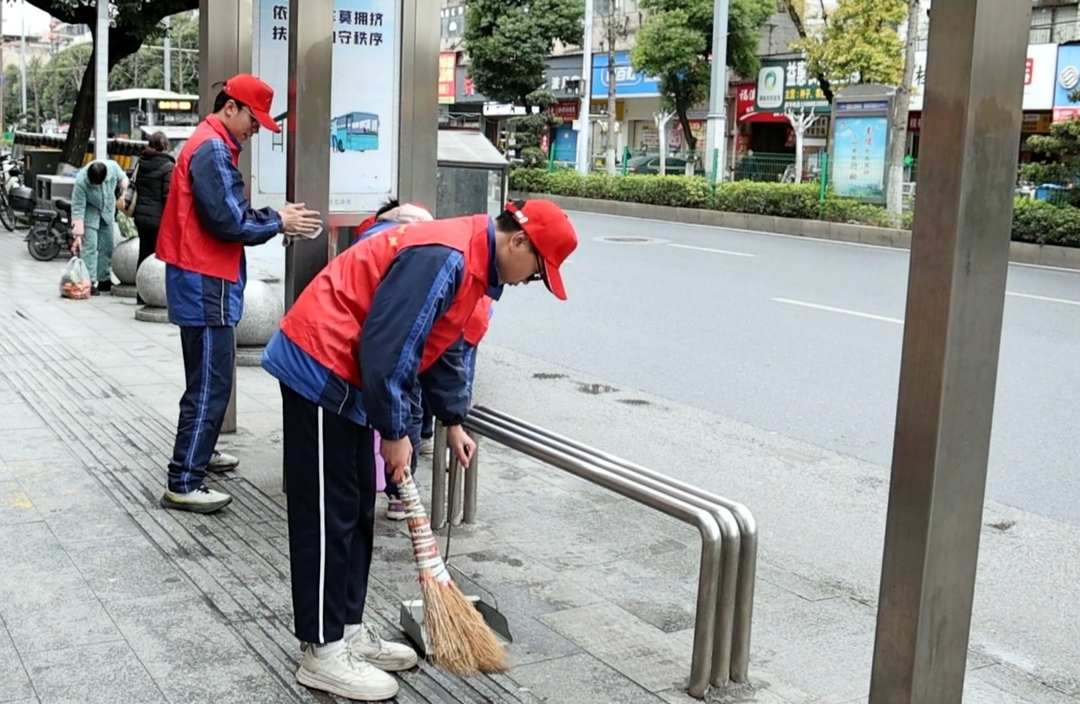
point(327, 319)
point(479, 321)
point(182, 240)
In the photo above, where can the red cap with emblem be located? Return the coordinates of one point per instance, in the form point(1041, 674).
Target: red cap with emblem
point(549, 229)
point(257, 95)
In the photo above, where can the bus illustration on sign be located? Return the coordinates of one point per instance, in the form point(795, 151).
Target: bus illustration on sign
point(355, 132)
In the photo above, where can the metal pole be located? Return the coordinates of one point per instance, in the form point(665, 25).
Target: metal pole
point(438, 479)
point(307, 160)
point(168, 53)
point(454, 500)
point(22, 57)
point(663, 501)
point(956, 292)
point(472, 484)
point(746, 530)
point(585, 131)
point(717, 124)
point(3, 86)
point(720, 670)
point(101, 82)
point(224, 51)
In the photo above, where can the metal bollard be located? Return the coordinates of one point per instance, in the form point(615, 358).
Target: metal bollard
point(472, 483)
point(438, 479)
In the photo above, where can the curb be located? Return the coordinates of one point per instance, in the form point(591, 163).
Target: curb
point(1019, 252)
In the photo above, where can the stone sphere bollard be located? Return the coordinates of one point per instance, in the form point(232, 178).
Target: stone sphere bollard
point(263, 310)
point(150, 281)
point(125, 264)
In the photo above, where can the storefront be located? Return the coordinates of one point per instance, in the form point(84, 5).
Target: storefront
point(782, 85)
point(637, 100)
point(1045, 93)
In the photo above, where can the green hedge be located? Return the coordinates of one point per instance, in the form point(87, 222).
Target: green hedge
point(1033, 221)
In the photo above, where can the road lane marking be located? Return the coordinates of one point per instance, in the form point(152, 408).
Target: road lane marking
point(714, 251)
point(845, 311)
point(1043, 298)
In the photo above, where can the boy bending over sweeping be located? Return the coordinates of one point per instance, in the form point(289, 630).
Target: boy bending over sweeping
point(390, 215)
point(350, 355)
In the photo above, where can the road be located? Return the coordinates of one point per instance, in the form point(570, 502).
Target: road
point(802, 337)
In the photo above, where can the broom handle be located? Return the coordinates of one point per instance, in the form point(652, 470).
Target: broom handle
point(425, 547)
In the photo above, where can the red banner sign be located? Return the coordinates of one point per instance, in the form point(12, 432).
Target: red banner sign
point(745, 95)
point(447, 76)
point(565, 109)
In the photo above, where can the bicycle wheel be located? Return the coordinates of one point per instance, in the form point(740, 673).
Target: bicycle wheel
point(7, 213)
point(42, 244)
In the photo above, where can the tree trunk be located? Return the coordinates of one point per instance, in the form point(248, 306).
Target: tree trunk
point(612, 103)
point(898, 122)
point(82, 120)
point(689, 140)
point(800, 29)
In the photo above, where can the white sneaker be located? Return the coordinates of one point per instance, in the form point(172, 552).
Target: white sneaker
point(383, 654)
point(346, 675)
point(222, 462)
point(202, 500)
point(427, 447)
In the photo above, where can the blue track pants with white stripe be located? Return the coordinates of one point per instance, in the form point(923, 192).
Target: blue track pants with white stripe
point(209, 356)
point(330, 487)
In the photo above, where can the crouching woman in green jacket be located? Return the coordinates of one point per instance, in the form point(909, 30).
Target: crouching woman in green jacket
point(93, 212)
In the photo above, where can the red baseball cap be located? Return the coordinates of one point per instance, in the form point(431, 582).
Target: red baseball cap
point(256, 94)
point(549, 229)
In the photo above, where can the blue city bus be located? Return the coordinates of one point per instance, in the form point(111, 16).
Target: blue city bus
point(355, 132)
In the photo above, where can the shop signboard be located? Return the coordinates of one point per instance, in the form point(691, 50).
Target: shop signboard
point(786, 85)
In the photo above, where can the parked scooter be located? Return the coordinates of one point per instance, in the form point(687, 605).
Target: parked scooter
point(50, 231)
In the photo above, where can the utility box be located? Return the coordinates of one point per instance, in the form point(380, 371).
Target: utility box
point(38, 161)
point(860, 141)
point(471, 170)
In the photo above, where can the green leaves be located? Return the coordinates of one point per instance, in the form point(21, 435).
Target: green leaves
point(675, 44)
point(508, 42)
point(860, 40)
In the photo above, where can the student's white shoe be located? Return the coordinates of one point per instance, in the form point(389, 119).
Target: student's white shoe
point(347, 675)
point(383, 654)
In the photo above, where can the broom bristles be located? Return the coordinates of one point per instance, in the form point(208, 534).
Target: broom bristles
point(461, 641)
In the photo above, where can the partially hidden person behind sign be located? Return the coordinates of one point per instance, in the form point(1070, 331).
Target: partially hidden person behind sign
point(152, 177)
point(383, 318)
point(389, 215)
point(93, 213)
point(205, 226)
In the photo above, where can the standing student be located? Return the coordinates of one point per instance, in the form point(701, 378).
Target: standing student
point(384, 317)
point(206, 224)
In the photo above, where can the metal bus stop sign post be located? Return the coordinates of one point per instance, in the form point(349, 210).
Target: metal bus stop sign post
point(956, 294)
point(224, 51)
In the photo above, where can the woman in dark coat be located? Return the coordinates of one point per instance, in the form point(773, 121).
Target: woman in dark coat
point(152, 185)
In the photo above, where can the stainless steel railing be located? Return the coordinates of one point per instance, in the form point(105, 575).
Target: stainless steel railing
point(728, 566)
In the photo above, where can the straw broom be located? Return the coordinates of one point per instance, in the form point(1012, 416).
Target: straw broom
point(461, 642)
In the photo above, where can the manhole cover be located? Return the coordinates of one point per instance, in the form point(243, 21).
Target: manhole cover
point(631, 240)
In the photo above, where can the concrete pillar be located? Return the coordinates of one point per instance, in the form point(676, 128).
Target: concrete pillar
point(956, 293)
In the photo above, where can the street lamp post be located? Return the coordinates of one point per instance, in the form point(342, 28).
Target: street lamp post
point(584, 124)
point(101, 83)
point(717, 119)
